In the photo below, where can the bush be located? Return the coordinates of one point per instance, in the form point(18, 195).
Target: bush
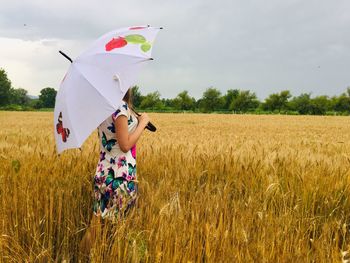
point(12, 107)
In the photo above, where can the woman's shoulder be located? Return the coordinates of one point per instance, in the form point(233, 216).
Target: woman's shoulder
point(123, 109)
point(124, 105)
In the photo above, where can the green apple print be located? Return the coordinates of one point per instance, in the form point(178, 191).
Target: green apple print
point(135, 39)
point(139, 39)
point(145, 47)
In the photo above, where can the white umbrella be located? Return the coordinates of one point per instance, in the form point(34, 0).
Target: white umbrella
point(96, 82)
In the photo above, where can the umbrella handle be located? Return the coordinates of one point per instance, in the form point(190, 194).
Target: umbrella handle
point(149, 126)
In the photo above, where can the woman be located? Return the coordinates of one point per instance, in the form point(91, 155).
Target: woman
point(115, 181)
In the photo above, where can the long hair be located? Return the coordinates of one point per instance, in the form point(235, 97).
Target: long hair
point(128, 99)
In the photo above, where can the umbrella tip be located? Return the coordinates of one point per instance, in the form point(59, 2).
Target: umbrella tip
point(63, 54)
point(151, 58)
point(161, 27)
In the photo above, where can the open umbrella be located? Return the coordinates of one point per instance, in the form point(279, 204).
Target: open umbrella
point(96, 82)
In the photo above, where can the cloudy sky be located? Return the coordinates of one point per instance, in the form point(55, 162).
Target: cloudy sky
point(264, 46)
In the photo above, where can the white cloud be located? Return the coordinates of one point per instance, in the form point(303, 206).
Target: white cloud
point(265, 46)
point(33, 65)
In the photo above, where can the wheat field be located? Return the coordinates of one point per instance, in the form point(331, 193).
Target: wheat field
point(212, 188)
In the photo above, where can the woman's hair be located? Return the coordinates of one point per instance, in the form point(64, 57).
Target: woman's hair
point(128, 98)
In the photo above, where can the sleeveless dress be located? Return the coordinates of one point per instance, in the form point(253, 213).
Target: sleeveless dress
point(115, 182)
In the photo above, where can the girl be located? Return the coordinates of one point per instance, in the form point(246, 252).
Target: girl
point(115, 181)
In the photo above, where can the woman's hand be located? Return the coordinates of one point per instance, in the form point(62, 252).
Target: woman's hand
point(143, 119)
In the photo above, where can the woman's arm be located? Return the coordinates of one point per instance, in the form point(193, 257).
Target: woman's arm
point(125, 139)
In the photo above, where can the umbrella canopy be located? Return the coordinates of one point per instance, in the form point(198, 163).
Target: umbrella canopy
point(96, 82)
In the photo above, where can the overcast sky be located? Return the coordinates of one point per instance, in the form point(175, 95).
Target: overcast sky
point(264, 46)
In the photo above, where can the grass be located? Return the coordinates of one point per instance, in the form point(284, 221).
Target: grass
point(213, 188)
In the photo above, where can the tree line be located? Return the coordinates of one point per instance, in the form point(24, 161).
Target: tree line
point(212, 100)
point(245, 101)
point(18, 99)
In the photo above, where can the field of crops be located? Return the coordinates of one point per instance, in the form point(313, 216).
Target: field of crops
point(213, 188)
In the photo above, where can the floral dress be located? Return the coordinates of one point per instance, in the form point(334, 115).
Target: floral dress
point(115, 184)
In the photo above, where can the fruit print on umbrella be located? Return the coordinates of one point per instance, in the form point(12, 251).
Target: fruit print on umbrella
point(137, 27)
point(135, 39)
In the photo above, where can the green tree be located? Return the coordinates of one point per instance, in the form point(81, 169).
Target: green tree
point(245, 101)
point(168, 103)
point(47, 97)
point(211, 100)
point(19, 96)
point(230, 95)
point(198, 104)
point(277, 101)
point(320, 105)
point(342, 103)
point(301, 103)
point(136, 96)
point(152, 101)
point(5, 88)
point(35, 103)
point(183, 101)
